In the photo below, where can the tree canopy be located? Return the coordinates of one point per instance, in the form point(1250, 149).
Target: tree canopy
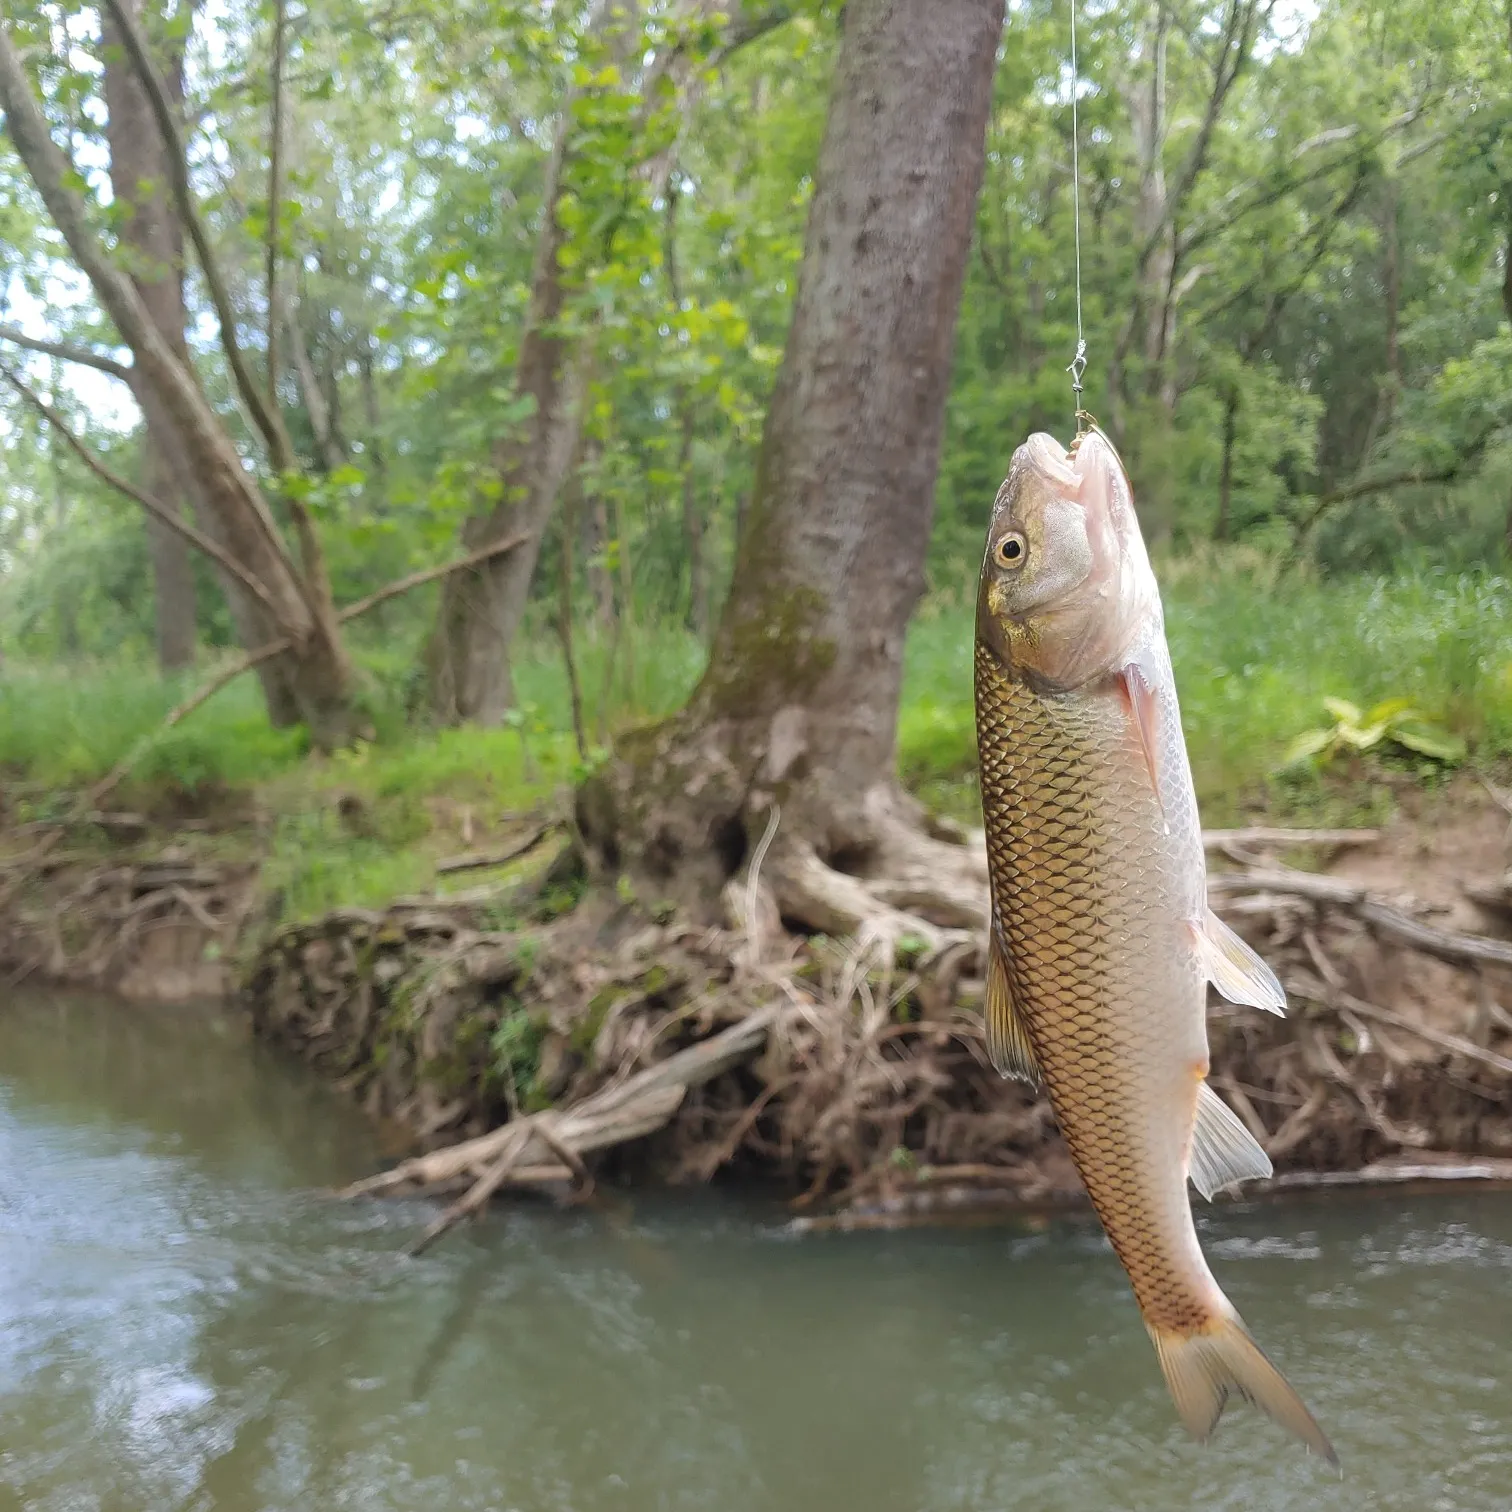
point(1297, 282)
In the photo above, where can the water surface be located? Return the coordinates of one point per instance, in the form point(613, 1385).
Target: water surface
point(185, 1323)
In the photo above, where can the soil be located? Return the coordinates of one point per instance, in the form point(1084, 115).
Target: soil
point(866, 1088)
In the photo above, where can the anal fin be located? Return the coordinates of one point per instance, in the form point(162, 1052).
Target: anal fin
point(1234, 968)
point(1223, 1150)
point(1008, 1044)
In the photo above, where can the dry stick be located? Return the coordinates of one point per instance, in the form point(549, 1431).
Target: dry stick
point(1440, 1037)
point(1321, 889)
point(612, 1115)
point(107, 784)
point(478, 860)
point(70, 353)
point(477, 1194)
point(267, 419)
point(1265, 835)
point(1473, 1168)
point(155, 507)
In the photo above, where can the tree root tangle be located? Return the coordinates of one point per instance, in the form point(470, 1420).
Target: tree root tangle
point(827, 1032)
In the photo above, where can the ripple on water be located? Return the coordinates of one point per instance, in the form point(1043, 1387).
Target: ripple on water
point(184, 1324)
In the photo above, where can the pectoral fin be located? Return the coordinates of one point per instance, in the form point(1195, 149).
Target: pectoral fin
point(1008, 1043)
point(1235, 970)
point(1144, 711)
point(1223, 1150)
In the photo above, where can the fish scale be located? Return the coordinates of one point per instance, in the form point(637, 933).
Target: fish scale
point(1046, 778)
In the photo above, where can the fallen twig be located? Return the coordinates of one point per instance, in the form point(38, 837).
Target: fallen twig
point(1265, 835)
point(1457, 1043)
point(1389, 920)
point(479, 860)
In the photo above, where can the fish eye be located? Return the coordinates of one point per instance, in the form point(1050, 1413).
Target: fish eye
point(1010, 550)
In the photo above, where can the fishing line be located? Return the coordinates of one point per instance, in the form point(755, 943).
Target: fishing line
point(1079, 362)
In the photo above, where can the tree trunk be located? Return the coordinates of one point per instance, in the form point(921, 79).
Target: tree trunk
point(800, 701)
point(172, 575)
point(139, 182)
point(481, 610)
point(693, 530)
point(1224, 527)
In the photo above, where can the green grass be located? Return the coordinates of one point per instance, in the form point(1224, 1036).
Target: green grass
point(1255, 654)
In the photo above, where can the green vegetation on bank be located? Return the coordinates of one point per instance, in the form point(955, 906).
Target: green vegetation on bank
point(1256, 648)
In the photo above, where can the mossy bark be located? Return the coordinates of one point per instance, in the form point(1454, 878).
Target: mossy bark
point(800, 701)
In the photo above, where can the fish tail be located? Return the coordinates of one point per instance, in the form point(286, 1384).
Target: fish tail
point(1204, 1368)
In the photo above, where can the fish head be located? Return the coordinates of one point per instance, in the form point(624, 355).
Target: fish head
point(1066, 592)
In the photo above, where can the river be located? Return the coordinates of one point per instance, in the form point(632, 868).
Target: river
point(186, 1323)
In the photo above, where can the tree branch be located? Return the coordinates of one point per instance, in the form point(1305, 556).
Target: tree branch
point(430, 574)
point(49, 169)
point(1232, 207)
point(170, 518)
point(68, 352)
point(266, 417)
point(1411, 477)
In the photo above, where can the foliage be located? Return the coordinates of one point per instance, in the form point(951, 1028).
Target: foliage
point(1392, 723)
point(1330, 402)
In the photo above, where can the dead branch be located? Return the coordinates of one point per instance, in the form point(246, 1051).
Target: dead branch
point(614, 1115)
point(1452, 1168)
point(1391, 921)
point(67, 351)
point(1267, 835)
point(480, 860)
point(1452, 1042)
point(169, 518)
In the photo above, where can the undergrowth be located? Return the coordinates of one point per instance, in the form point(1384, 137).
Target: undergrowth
point(1256, 651)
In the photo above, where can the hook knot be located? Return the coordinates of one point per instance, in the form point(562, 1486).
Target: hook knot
point(1078, 367)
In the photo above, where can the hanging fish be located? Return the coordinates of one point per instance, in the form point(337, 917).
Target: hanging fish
point(1102, 943)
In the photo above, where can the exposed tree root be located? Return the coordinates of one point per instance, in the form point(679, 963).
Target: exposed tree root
point(824, 1028)
point(827, 1031)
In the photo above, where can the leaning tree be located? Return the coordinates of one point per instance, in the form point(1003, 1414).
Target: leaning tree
point(796, 716)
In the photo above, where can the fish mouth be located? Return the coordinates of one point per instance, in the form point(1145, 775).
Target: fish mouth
point(1057, 466)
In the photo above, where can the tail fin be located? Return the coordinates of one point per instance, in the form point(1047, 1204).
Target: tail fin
point(1202, 1369)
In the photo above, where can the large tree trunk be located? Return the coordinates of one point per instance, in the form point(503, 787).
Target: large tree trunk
point(139, 181)
point(799, 705)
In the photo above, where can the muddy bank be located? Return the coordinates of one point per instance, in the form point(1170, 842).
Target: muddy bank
point(530, 1047)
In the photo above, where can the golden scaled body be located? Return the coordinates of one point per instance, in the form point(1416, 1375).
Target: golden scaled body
point(1102, 943)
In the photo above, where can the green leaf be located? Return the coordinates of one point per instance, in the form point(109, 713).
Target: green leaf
point(1306, 745)
point(1427, 740)
point(1344, 711)
point(1390, 710)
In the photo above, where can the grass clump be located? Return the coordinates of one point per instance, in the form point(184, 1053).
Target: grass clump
point(1256, 652)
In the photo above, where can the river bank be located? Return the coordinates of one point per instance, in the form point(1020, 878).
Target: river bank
point(531, 1028)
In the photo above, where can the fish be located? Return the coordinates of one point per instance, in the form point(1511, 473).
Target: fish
point(1101, 943)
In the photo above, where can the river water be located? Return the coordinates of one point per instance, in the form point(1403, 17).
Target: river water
point(186, 1323)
